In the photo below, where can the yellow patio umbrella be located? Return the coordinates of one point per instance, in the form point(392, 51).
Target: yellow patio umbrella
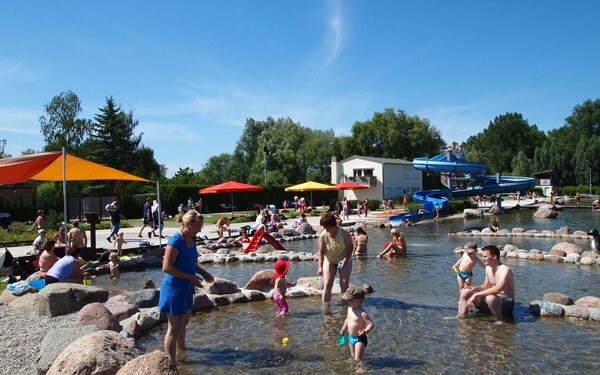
point(310, 186)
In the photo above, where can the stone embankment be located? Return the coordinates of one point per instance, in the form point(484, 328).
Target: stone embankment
point(563, 232)
point(563, 252)
point(561, 305)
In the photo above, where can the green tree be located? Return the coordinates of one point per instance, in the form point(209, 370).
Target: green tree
point(522, 165)
point(572, 149)
point(60, 125)
point(504, 137)
point(393, 134)
point(184, 176)
point(114, 138)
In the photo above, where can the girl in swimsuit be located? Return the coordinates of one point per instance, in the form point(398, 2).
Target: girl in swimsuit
point(281, 284)
point(466, 263)
point(361, 241)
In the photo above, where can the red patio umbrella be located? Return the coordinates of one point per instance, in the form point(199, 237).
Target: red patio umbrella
point(349, 186)
point(231, 187)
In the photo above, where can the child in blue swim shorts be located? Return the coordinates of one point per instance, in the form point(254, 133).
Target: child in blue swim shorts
point(357, 323)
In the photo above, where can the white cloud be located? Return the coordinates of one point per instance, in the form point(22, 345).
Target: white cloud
point(20, 121)
point(336, 34)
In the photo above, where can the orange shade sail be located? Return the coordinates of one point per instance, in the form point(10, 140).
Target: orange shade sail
point(47, 166)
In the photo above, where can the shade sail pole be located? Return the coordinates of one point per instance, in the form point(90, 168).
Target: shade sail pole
point(159, 213)
point(232, 206)
point(64, 167)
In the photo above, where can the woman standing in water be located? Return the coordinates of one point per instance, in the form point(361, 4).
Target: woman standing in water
point(178, 286)
point(335, 252)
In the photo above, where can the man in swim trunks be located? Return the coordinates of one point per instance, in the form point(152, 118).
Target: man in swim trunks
point(76, 237)
point(496, 295)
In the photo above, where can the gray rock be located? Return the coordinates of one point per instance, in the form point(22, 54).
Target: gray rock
point(145, 298)
point(305, 228)
point(312, 282)
point(580, 233)
point(283, 257)
point(221, 286)
point(138, 323)
point(238, 297)
point(202, 302)
point(575, 311)
point(102, 352)
point(517, 230)
point(514, 254)
point(535, 256)
point(97, 314)
point(510, 248)
point(586, 261)
point(554, 258)
point(55, 341)
point(123, 311)
point(559, 298)
point(60, 299)
point(557, 252)
point(534, 251)
point(563, 230)
point(219, 300)
point(590, 254)
point(594, 313)
point(154, 363)
point(471, 213)
point(547, 309)
point(545, 214)
point(290, 233)
point(255, 295)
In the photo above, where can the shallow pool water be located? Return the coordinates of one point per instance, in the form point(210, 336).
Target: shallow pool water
point(412, 297)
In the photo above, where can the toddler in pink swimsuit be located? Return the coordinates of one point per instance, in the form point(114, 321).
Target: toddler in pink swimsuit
point(281, 284)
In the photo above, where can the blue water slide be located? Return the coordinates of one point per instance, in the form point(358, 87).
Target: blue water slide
point(474, 172)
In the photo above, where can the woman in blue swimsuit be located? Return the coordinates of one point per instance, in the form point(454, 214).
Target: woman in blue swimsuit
point(178, 286)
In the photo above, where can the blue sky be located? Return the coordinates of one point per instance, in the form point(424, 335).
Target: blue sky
point(193, 71)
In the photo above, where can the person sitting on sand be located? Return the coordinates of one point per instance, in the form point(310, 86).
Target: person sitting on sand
point(396, 247)
point(47, 257)
point(496, 295)
point(68, 267)
point(466, 263)
point(361, 241)
point(222, 226)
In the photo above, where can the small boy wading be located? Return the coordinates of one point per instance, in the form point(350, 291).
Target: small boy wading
point(466, 263)
point(357, 323)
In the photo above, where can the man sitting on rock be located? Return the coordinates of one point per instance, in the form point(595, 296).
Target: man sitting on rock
point(496, 295)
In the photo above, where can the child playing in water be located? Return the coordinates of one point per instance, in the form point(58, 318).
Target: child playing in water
point(119, 244)
point(357, 323)
point(396, 247)
point(361, 242)
point(281, 284)
point(464, 266)
point(113, 266)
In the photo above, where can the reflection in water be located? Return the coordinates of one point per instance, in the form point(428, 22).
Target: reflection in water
point(485, 344)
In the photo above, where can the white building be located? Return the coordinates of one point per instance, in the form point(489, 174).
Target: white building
point(385, 178)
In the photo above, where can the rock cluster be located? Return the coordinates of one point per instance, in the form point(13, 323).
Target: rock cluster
point(561, 305)
point(563, 252)
point(563, 232)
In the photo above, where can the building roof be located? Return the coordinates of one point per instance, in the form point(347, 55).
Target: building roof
point(378, 160)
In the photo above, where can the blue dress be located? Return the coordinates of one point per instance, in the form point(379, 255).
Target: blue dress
point(177, 295)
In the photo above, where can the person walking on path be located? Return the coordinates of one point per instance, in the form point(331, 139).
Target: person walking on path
point(335, 254)
point(178, 286)
point(147, 217)
point(115, 219)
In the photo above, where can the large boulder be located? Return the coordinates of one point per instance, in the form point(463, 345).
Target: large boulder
point(60, 299)
point(97, 314)
point(567, 247)
point(510, 248)
point(559, 298)
point(541, 308)
point(588, 301)
point(262, 280)
point(55, 341)
point(102, 352)
point(154, 363)
point(311, 282)
point(590, 254)
point(557, 252)
point(7, 297)
point(145, 298)
point(472, 213)
point(221, 286)
point(202, 302)
point(305, 228)
point(545, 214)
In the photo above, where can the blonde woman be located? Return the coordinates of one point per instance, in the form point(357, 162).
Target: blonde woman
point(396, 247)
point(178, 286)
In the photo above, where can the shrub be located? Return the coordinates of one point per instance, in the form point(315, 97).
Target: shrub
point(459, 206)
